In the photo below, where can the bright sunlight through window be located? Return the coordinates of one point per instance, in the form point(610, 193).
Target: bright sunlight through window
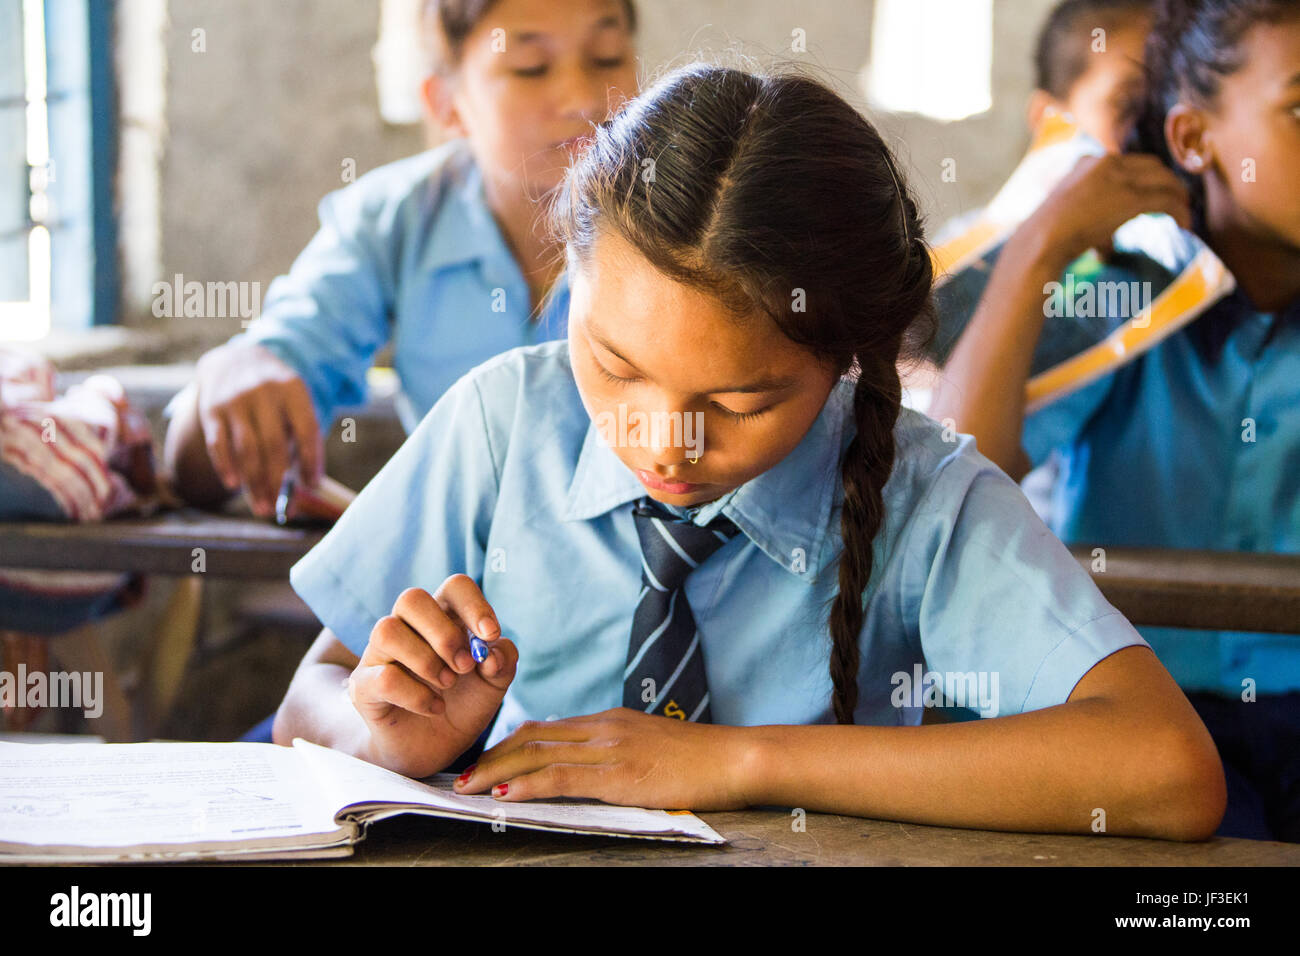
point(933, 57)
point(31, 319)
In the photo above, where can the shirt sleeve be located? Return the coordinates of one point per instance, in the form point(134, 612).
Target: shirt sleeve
point(423, 518)
point(1001, 599)
point(1060, 423)
point(329, 315)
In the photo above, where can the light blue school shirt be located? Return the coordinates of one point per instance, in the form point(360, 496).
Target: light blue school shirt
point(411, 254)
point(1152, 455)
point(507, 481)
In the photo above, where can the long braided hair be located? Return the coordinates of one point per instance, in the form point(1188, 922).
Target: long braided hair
point(751, 187)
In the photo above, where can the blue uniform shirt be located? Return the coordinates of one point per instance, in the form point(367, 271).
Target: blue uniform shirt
point(1191, 445)
point(411, 254)
point(507, 480)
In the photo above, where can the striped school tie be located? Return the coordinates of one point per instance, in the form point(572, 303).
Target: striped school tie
point(665, 647)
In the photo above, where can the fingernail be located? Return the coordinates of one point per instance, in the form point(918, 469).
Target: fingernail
point(486, 625)
point(463, 660)
point(500, 790)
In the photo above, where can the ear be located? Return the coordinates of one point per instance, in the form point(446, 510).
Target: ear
point(1039, 102)
point(1188, 139)
point(440, 106)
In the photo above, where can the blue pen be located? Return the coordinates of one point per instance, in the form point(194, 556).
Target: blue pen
point(478, 648)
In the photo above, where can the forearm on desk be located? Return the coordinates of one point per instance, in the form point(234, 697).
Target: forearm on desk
point(317, 708)
point(1043, 771)
point(185, 456)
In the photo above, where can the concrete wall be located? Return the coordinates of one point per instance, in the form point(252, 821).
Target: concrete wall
point(254, 128)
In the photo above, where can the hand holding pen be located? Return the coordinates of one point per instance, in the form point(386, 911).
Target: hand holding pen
point(432, 677)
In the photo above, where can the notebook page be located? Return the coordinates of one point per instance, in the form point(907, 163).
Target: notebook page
point(353, 782)
point(132, 795)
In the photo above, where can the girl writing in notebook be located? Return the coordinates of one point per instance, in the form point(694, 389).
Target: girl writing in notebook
point(716, 564)
point(1192, 444)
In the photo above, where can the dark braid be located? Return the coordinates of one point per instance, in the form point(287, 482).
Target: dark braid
point(764, 184)
point(864, 470)
point(868, 462)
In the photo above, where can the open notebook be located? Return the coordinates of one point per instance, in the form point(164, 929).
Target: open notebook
point(245, 801)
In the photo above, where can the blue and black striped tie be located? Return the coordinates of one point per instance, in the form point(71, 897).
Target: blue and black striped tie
point(665, 647)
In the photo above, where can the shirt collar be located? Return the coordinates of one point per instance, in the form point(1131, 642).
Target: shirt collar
point(785, 510)
point(464, 229)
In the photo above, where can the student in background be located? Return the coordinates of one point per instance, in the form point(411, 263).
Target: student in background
point(1088, 63)
point(438, 254)
point(756, 594)
point(1194, 443)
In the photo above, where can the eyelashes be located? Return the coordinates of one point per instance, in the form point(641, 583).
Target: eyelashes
point(611, 377)
point(540, 70)
point(735, 416)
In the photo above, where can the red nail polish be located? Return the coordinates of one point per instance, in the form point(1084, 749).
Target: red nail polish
point(463, 777)
point(500, 790)
point(470, 769)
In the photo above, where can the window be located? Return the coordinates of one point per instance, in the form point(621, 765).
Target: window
point(400, 62)
point(933, 57)
point(57, 235)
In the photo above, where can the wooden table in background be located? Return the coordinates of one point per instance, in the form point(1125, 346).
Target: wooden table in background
point(1212, 590)
point(233, 547)
point(1198, 589)
point(163, 545)
point(1192, 589)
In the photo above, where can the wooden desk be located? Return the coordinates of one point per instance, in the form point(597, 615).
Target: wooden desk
point(1194, 589)
point(1160, 587)
point(1212, 590)
point(233, 547)
point(763, 837)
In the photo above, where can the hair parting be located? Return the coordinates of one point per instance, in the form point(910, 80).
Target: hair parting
point(753, 187)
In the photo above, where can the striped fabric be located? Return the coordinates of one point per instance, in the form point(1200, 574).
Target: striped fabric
point(665, 663)
point(66, 443)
